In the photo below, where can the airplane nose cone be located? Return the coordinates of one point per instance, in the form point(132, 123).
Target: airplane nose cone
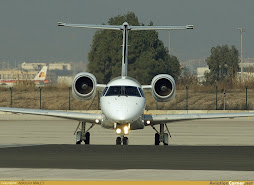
point(123, 109)
point(122, 114)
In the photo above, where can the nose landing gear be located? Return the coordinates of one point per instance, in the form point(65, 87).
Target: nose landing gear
point(120, 140)
point(122, 130)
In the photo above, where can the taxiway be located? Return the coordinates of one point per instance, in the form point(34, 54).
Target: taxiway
point(35, 147)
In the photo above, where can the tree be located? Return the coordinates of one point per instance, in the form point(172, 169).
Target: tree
point(147, 55)
point(223, 64)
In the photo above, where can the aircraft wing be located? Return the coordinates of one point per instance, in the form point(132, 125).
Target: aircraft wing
point(87, 117)
point(168, 118)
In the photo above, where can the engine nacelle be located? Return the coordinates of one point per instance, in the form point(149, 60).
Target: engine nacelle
point(84, 86)
point(163, 88)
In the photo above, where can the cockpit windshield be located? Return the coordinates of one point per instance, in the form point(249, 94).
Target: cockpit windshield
point(123, 91)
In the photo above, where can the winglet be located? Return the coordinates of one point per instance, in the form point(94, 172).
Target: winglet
point(61, 24)
point(189, 27)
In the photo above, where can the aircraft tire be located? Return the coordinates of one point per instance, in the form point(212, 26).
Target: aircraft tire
point(165, 138)
point(118, 141)
point(78, 138)
point(125, 141)
point(157, 139)
point(87, 141)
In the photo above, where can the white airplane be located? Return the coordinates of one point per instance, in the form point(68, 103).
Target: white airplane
point(40, 79)
point(122, 100)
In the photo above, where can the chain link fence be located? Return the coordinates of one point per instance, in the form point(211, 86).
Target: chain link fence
point(56, 98)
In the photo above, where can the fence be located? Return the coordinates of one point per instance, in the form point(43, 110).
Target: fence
point(56, 98)
point(52, 98)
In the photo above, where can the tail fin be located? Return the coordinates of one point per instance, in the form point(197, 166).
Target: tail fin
point(42, 74)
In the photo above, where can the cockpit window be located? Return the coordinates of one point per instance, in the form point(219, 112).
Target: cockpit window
point(104, 91)
point(123, 91)
point(141, 92)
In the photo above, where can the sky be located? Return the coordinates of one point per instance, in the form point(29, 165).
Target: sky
point(29, 31)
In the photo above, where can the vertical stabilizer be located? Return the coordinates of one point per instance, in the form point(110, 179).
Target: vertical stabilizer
point(125, 29)
point(42, 74)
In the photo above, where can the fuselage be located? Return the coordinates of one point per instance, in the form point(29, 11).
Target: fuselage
point(11, 83)
point(122, 103)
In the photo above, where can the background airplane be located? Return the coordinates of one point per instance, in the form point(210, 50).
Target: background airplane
point(40, 79)
point(122, 100)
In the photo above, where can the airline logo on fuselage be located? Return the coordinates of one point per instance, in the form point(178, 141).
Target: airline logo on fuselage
point(42, 74)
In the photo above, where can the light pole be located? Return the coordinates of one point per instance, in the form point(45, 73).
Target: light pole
point(241, 31)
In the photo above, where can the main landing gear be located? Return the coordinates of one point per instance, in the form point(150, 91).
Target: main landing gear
point(161, 137)
point(83, 134)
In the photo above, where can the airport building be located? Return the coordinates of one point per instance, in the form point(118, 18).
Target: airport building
point(16, 74)
point(52, 66)
point(248, 72)
point(201, 73)
point(60, 73)
point(32, 66)
point(60, 66)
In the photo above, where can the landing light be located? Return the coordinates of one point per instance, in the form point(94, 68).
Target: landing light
point(96, 121)
point(118, 131)
point(148, 122)
point(126, 130)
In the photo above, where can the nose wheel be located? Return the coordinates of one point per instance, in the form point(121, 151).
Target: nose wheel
point(122, 140)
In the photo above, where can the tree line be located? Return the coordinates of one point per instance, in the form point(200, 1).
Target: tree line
point(147, 55)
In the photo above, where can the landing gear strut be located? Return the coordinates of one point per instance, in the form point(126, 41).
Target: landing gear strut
point(161, 137)
point(83, 134)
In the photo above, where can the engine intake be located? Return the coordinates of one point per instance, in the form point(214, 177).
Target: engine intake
point(163, 88)
point(84, 86)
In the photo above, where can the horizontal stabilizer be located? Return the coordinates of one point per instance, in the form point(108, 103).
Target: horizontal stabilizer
point(91, 26)
point(120, 27)
point(161, 27)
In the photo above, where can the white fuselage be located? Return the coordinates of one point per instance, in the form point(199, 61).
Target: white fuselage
point(122, 102)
